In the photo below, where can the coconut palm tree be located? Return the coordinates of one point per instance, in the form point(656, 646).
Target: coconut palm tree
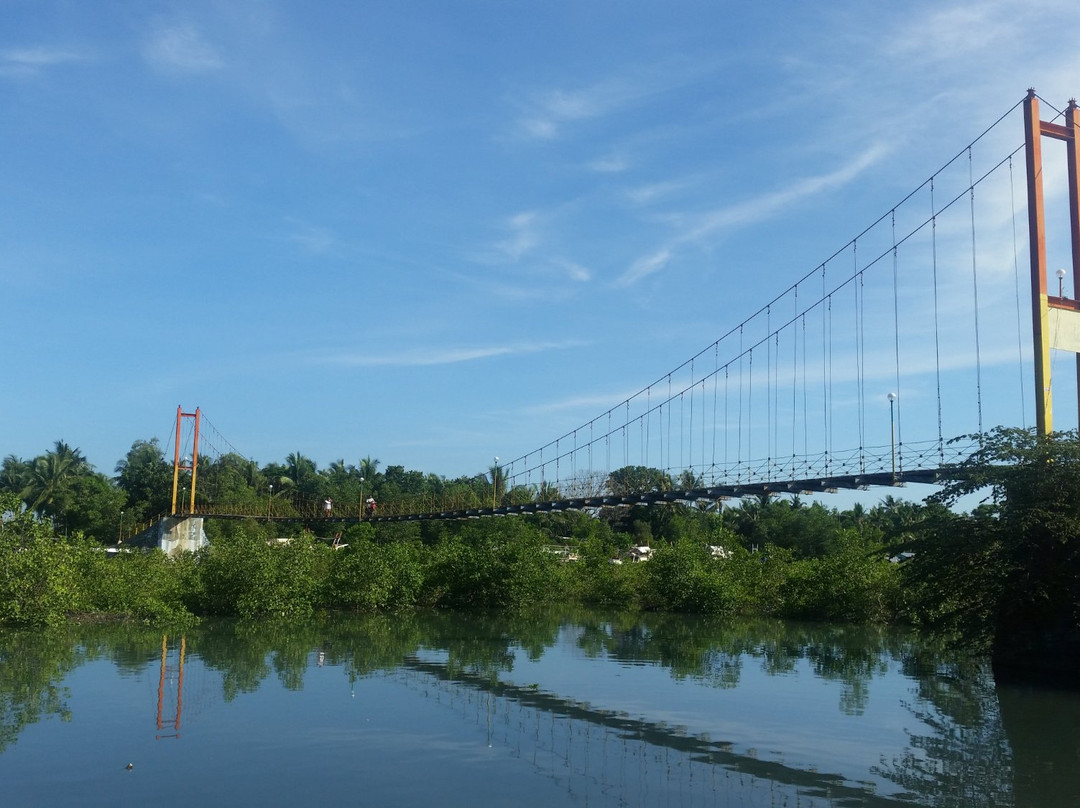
point(48, 474)
point(14, 474)
point(369, 467)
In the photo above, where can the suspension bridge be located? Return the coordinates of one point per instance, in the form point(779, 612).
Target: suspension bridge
point(947, 316)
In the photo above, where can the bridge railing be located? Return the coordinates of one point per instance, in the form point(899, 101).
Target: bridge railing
point(816, 470)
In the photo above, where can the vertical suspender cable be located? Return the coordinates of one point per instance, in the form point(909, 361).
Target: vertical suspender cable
point(750, 413)
point(975, 289)
point(768, 390)
point(794, 380)
point(727, 430)
point(805, 384)
point(716, 384)
point(690, 438)
point(859, 347)
point(896, 342)
point(592, 468)
point(738, 443)
point(660, 431)
point(667, 464)
point(829, 394)
point(937, 325)
point(648, 427)
point(1016, 284)
point(703, 419)
point(775, 454)
point(607, 441)
point(682, 430)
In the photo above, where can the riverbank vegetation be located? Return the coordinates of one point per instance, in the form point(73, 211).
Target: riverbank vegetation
point(1004, 577)
point(777, 557)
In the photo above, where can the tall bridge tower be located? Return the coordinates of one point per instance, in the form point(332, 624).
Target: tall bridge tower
point(1055, 319)
point(185, 466)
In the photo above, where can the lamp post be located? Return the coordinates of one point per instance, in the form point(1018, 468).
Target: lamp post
point(892, 428)
point(268, 502)
point(361, 517)
point(120, 534)
point(495, 482)
point(1061, 282)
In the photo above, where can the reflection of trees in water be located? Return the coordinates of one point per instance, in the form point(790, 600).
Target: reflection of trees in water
point(958, 752)
point(715, 650)
point(964, 757)
point(31, 665)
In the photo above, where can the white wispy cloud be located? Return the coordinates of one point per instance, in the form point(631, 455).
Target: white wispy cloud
point(612, 164)
point(645, 266)
point(33, 60)
point(697, 228)
point(594, 402)
point(181, 48)
point(645, 194)
point(425, 356)
point(314, 239)
point(550, 111)
point(956, 32)
point(523, 236)
point(574, 271)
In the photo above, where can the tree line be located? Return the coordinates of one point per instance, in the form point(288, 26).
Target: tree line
point(1003, 578)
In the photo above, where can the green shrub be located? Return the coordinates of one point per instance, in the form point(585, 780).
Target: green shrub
point(250, 578)
point(684, 577)
point(376, 577)
point(853, 583)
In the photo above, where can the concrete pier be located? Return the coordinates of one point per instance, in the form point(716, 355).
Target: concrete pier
point(177, 534)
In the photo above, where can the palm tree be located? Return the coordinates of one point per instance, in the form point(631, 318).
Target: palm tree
point(14, 474)
point(48, 474)
point(299, 468)
point(369, 467)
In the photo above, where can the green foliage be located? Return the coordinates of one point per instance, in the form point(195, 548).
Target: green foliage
point(38, 574)
point(376, 577)
point(146, 479)
point(1007, 576)
point(853, 583)
point(806, 530)
point(636, 479)
point(500, 566)
point(596, 580)
point(35, 663)
point(246, 576)
point(684, 577)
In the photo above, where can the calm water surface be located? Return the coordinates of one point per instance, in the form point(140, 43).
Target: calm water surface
point(541, 710)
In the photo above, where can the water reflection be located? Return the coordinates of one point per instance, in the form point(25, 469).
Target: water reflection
point(607, 709)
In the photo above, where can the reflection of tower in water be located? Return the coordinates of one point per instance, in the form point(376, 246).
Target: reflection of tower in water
point(170, 681)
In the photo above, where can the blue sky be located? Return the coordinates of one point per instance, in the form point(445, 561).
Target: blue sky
point(435, 232)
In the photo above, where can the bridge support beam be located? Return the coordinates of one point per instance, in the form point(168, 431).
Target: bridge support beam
point(181, 534)
point(1055, 319)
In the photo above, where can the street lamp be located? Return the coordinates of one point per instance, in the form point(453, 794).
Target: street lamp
point(268, 502)
point(1061, 282)
point(892, 428)
point(120, 534)
point(495, 482)
point(361, 517)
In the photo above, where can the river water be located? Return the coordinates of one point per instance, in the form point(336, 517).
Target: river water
point(552, 709)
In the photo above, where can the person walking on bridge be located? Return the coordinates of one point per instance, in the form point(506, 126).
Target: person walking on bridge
point(328, 506)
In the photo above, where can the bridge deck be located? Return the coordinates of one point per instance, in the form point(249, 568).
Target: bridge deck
point(714, 492)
